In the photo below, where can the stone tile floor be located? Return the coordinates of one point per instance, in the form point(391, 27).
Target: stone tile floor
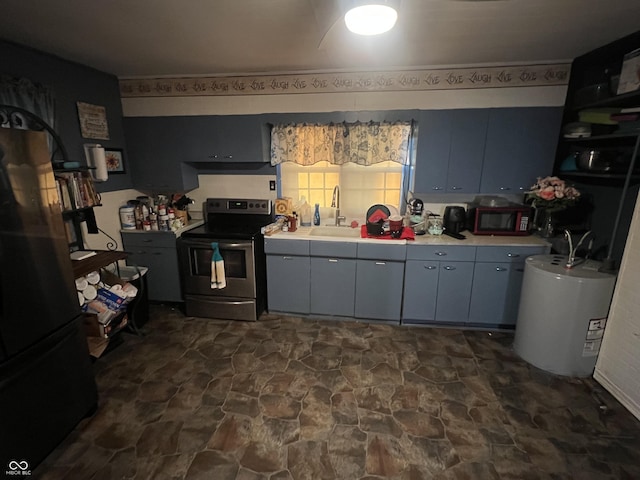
point(290, 398)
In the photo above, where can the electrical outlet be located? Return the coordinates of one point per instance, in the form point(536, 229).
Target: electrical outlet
point(272, 184)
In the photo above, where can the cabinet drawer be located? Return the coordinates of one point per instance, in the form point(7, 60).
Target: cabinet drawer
point(333, 249)
point(382, 252)
point(444, 253)
point(148, 239)
point(507, 254)
point(286, 247)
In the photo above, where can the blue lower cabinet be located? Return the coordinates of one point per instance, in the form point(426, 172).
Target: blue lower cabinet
point(333, 285)
point(420, 291)
point(379, 289)
point(454, 292)
point(288, 283)
point(489, 293)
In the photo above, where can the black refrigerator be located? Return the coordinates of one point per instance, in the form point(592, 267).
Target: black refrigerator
point(46, 377)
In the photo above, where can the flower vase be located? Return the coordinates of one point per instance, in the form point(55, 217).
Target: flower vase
point(548, 229)
point(544, 222)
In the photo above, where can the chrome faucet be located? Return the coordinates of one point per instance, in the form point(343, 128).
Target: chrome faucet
point(572, 261)
point(335, 203)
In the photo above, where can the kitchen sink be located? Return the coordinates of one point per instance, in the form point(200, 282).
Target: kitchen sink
point(329, 231)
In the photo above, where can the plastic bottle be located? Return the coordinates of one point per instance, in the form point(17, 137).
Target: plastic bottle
point(316, 215)
point(305, 213)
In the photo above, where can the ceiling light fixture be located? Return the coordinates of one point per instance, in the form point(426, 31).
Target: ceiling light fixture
point(371, 18)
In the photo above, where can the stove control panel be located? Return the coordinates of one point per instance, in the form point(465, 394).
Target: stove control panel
point(238, 206)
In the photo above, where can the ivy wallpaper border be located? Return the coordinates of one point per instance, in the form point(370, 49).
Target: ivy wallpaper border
point(394, 81)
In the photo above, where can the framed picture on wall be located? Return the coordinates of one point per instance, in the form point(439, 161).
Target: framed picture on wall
point(115, 160)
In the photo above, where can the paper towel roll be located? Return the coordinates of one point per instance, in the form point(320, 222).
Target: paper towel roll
point(98, 161)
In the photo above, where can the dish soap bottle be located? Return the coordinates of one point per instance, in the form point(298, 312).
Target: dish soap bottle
point(316, 215)
point(304, 210)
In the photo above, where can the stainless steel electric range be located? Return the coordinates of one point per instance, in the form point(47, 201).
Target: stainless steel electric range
point(234, 223)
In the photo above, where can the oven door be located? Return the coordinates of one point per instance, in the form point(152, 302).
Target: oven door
point(239, 267)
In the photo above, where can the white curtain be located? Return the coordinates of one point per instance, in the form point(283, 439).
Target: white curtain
point(360, 143)
point(31, 96)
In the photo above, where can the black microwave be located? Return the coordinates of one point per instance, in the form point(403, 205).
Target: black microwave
point(506, 220)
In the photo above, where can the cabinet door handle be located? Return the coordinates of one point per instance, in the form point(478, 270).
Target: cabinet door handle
point(333, 260)
point(228, 156)
point(141, 252)
point(501, 269)
point(449, 267)
point(456, 188)
point(505, 188)
point(287, 258)
point(213, 156)
point(436, 188)
point(381, 263)
point(513, 255)
point(148, 240)
point(430, 267)
point(441, 254)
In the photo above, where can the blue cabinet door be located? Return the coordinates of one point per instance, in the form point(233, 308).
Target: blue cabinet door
point(450, 150)
point(333, 282)
point(521, 145)
point(432, 157)
point(379, 289)
point(155, 147)
point(454, 291)
point(288, 283)
point(468, 135)
point(420, 291)
point(489, 293)
point(227, 138)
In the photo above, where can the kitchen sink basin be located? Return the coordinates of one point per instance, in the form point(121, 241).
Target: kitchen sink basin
point(335, 232)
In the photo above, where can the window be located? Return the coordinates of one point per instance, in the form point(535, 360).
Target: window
point(360, 186)
point(371, 163)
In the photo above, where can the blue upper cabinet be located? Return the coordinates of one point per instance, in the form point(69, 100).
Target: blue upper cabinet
point(468, 135)
point(156, 147)
point(227, 138)
point(434, 144)
point(450, 150)
point(521, 145)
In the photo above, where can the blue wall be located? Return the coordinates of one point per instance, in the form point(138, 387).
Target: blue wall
point(72, 83)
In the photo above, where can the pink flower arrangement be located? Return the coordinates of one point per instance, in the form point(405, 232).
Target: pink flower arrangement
point(552, 193)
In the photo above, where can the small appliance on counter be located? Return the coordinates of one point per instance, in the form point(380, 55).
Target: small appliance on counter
point(454, 221)
point(489, 215)
point(416, 216)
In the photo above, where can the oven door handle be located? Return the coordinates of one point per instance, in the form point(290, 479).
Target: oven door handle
point(221, 245)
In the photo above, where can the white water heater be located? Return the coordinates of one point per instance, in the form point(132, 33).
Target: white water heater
point(563, 314)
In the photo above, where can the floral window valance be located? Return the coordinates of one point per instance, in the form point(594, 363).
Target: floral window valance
point(340, 143)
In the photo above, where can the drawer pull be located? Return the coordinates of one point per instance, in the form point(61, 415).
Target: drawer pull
point(501, 269)
point(381, 263)
point(287, 258)
point(504, 189)
point(430, 267)
point(333, 260)
point(148, 240)
point(436, 188)
point(513, 255)
point(441, 254)
point(456, 188)
point(449, 267)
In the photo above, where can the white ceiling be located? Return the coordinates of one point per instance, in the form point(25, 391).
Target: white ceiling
point(131, 38)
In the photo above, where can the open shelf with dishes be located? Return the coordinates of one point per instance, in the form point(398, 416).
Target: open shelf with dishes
point(599, 143)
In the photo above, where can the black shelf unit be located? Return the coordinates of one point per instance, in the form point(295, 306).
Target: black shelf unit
point(613, 189)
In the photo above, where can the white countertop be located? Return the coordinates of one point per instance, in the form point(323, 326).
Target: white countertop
point(304, 233)
point(177, 233)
